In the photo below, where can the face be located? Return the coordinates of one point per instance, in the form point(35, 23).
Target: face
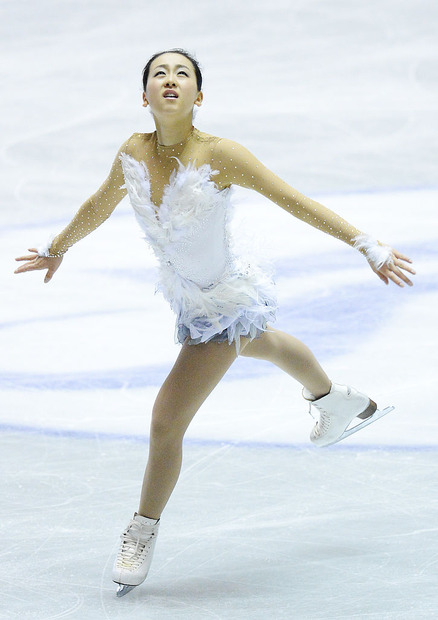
point(171, 87)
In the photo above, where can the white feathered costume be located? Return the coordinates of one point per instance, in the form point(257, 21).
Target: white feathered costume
point(214, 294)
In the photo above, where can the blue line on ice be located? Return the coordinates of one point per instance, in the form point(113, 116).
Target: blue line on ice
point(328, 324)
point(101, 436)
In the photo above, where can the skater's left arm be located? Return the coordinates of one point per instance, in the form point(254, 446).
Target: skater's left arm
point(237, 165)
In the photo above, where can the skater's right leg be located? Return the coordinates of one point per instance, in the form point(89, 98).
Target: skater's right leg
point(197, 371)
point(195, 374)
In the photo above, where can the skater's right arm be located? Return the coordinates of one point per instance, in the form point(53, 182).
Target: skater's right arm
point(90, 215)
point(95, 210)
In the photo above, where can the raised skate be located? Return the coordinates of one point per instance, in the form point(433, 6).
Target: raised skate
point(135, 554)
point(379, 413)
point(337, 411)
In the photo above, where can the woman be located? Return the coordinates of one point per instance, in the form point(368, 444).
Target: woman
point(178, 181)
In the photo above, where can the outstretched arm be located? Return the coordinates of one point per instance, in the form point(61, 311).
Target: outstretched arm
point(91, 214)
point(236, 165)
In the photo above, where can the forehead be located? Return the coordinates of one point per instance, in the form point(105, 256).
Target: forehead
point(172, 59)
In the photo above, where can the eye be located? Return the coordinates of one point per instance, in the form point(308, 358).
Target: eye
point(183, 72)
point(159, 72)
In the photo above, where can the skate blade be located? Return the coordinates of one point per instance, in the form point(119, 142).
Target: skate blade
point(123, 589)
point(372, 418)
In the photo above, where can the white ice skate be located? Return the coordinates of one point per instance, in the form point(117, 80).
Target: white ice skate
point(337, 410)
point(135, 554)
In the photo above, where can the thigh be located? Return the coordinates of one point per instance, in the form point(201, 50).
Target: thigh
point(263, 346)
point(196, 372)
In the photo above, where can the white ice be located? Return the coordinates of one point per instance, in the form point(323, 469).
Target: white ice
point(340, 99)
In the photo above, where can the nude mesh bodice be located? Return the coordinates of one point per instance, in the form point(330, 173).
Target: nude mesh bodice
point(231, 164)
point(189, 232)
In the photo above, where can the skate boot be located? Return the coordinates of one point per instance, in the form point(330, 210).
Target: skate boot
point(337, 410)
point(135, 554)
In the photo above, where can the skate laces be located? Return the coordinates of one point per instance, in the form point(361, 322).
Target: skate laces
point(132, 547)
point(322, 425)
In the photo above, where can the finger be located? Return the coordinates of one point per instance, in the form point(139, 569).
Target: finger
point(32, 250)
point(29, 257)
point(404, 262)
point(52, 268)
point(403, 277)
point(401, 256)
point(31, 266)
point(397, 281)
point(397, 266)
point(394, 278)
point(406, 268)
point(23, 268)
point(26, 267)
point(49, 275)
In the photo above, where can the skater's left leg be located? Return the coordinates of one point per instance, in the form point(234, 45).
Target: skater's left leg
point(292, 356)
point(338, 405)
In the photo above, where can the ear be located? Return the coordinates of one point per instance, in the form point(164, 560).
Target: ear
point(145, 101)
point(199, 99)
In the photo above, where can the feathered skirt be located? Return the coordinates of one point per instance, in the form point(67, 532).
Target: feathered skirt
point(240, 304)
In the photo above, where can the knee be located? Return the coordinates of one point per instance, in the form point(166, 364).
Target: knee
point(165, 424)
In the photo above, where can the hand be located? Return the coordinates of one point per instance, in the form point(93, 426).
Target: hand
point(393, 270)
point(34, 261)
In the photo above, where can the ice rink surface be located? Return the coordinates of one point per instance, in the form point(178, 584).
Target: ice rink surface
point(338, 98)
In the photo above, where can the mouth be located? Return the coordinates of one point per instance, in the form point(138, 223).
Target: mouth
point(170, 94)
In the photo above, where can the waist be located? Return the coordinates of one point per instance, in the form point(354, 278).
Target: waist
point(203, 260)
point(203, 273)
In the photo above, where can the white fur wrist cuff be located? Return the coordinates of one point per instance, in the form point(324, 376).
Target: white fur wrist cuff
point(378, 255)
point(44, 249)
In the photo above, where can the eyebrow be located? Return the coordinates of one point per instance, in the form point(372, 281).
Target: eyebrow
point(177, 66)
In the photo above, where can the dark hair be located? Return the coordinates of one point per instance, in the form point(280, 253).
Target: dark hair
point(193, 60)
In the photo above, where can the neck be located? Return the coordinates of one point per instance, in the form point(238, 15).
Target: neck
point(173, 132)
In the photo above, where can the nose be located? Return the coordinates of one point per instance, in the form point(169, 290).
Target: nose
point(170, 81)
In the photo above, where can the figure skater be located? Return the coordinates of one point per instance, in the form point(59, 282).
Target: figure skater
point(178, 180)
